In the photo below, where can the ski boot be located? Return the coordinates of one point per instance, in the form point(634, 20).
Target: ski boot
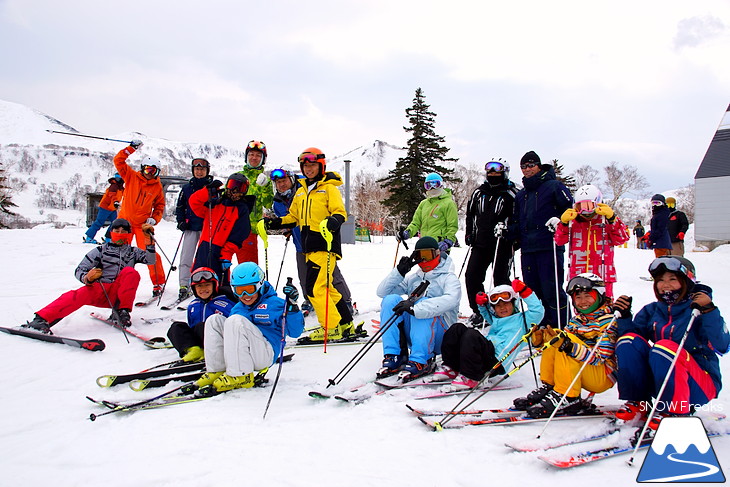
point(414, 370)
point(522, 403)
point(546, 406)
point(391, 366)
point(39, 325)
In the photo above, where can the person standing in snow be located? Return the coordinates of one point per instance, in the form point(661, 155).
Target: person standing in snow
point(189, 223)
point(250, 338)
point(436, 216)
point(143, 204)
point(109, 279)
point(188, 338)
point(260, 188)
point(107, 208)
point(538, 207)
point(648, 343)
point(658, 235)
point(678, 226)
point(424, 322)
point(468, 354)
point(639, 232)
point(592, 230)
point(487, 213)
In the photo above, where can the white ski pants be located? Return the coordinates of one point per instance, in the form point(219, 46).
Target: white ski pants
point(235, 345)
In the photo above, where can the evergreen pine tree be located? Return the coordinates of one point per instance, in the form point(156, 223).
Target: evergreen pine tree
point(568, 181)
point(5, 202)
point(426, 154)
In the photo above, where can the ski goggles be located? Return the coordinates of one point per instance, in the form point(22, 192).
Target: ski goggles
point(494, 166)
point(656, 203)
point(435, 184)
point(200, 163)
point(236, 185)
point(663, 264)
point(308, 157)
point(246, 289)
point(503, 296)
point(203, 275)
point(578, 284)
point(527, 165)
point(257, 144)
point(278, 174)
point(585, 207)
point(424, 255)
point(152, 171)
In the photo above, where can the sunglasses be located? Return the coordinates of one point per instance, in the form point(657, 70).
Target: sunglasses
point(433, 184)
point(255, 144)
point(200, 163)
point(153, 171)
point(656, 203)
point(494, 166)
point(497, 297)
point(202, 276)
point(309, 157)
point(527, 165)
point(278, 174)
point(246, 289)
point(585, 207)
point(236, 185)
point(670, 264)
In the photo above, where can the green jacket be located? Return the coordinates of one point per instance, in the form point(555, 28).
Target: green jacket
point(436, 217)
point(264, 194)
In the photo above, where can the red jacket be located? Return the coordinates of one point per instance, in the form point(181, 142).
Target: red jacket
point(112, 194)
point(591, 245)
point(144, 198)
point(228, 221)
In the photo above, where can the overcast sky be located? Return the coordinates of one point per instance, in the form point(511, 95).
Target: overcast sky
point(644, 83)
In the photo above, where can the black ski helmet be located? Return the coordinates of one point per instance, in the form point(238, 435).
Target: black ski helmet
point(237, 181)
point(200, 162)
point(682, 267)
point(121, 223)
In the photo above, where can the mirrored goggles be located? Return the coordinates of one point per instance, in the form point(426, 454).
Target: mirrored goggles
point(497, 297)
point(246, 289)
point(585, 207)
point(152, 171)
point(309, 157)
point(661, 264)
point(437, 183)
point(236, 185)
point(424, 255)
point(494, 166)
point(278, 174)
point(656, 203)
point(200, 163)
point(203, 276)
point(579, 284)
point(527, 165)
point(257, 144)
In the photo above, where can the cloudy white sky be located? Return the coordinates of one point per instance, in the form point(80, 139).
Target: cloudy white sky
point(642, 83)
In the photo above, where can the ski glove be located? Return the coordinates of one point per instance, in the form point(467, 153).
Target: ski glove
point(680, 235)
point(93, 275)
point(291, 292)
point(605, 210)
point(568, 215)
point(225, 264)
point(467, 240)
point(405, 265)
point(262, 179)
point(402, 235)
point(404, 306)
point(272, 223)
point(499, 229)
point(521, 288)
point(136, 144)
point(481, 298)
point(623, 306)
point(445, 245)
point(182, 226)
point(702, 302)
point(566, 347)
point(148, 228)
point(552, 224)
point(117, 205)
point(333, 223)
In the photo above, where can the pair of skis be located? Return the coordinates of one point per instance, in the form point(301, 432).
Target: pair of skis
point(94, 344)
point(154, 342)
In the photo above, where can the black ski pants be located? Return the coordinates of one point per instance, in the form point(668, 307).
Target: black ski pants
point(479, 261)
point(466, 351)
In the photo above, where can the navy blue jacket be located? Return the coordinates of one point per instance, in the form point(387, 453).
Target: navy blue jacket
point(542, 198)
point(659, 231)
point(183, 213)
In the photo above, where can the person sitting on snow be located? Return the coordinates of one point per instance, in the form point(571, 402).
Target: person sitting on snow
point(109, 278)
point(424, 322)
point(468, 355)
point(187, 338)
point(250, 339)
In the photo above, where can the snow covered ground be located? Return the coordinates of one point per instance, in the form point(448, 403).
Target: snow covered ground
point(47, 439)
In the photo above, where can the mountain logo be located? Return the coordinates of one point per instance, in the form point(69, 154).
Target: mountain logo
point(681, 452)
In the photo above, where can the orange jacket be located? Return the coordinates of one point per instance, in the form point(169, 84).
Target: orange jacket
point(112, 194)
point(144, 198)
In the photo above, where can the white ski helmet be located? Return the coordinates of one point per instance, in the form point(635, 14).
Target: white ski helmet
point(586, 199)
point(503, 292)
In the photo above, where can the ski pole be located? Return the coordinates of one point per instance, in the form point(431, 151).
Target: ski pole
point(524, 322)
point(88, 136)
point(397, 248)
point(281, 350)
point(328, 238)
point(114, 310)
point(413, 297)
point(494, 262)
point(680, 347)
point(124, 407)
point(261, 230)
point(605, 331)
point(164, 285)
point(466, 257)
point(286, 243)
point(157, 243)
point(557, 286)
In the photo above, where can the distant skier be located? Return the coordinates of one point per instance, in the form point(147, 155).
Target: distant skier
point(639, 233)
point(678, 226)
point(107, 208)
point(658, 235)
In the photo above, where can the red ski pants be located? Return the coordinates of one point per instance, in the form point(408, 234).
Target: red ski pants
point(121, 293)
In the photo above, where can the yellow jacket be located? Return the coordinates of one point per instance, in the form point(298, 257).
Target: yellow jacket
point(312, 205)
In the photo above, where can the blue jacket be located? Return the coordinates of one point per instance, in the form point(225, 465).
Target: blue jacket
point(267, 313)
point(505, 332)
point(542, 198)
point(183, 213)
point(199, 310)
point(659, 232)
point(708, 337)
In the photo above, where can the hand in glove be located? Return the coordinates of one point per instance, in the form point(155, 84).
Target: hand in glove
point(521, 288)
point(552, 224)
point(333, 223)
point(93, 275)
point(402, 235)
point(148, 229)
point(272, 223)
point(404, 306)
point(182, 226)
point(481, 298)
point(623, 306)
point(117, 205)
point(225, 264)
point(702, 302)
point(604, 210)
point(445, 245)
point(500, 229)
point(568, 215)
point(292, 294)
point(467, 240)
point(214, 189)
point(405, 264)
point(566, 347)
point(680, 235)
point(136, 144)
point(262, 179)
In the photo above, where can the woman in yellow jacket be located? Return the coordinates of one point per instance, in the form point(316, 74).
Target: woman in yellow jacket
point(318, 199)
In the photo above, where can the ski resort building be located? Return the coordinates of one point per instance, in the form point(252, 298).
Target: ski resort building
point(712, 190)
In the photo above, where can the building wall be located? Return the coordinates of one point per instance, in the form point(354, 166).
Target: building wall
point(712, 211)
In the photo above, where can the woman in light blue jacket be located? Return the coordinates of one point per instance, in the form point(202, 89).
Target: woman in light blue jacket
point(468, 355)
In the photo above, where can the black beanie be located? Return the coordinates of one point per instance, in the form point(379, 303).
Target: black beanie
point(659, 197)
point(427, 243)
point(530, 157)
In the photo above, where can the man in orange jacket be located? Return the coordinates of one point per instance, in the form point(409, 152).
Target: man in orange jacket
point(143, 204)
